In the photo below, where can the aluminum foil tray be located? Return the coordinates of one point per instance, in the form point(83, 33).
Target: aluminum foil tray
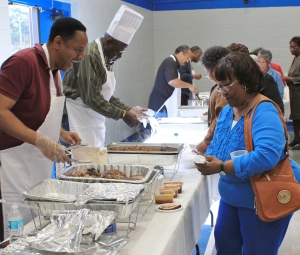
point(142, 159)
point(174, 148)
point(47, 208)
point(55, 190)
point(128, 170)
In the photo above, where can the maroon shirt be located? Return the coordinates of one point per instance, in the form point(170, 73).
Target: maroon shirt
point(24, 77)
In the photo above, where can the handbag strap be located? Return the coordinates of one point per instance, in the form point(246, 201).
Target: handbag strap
point(248, 125)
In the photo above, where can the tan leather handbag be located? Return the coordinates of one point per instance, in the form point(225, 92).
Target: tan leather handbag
point(277, 192)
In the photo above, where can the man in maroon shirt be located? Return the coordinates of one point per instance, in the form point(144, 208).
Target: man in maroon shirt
point(31, 105)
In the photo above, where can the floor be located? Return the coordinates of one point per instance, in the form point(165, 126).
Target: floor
point(206, 241)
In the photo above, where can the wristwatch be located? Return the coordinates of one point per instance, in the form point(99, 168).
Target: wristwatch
point(222, 171)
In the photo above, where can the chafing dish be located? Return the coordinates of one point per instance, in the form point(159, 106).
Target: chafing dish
point(128, 170)
point(162, 158)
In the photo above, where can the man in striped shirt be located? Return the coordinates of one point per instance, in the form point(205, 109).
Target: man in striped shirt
point(89, 85)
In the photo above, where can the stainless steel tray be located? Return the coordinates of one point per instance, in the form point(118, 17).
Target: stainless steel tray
point(174, 148)
point(162, 159)
point(47, 208)
point(55, 190)
point(128, 170)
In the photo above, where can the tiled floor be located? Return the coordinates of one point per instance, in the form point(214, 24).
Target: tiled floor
point(209, 247)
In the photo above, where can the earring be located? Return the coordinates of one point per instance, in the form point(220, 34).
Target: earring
point(245, 88)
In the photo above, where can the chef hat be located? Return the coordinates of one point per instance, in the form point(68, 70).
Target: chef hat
point(125, 23)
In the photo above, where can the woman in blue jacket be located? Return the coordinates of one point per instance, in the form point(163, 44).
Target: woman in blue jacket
point(238, 229)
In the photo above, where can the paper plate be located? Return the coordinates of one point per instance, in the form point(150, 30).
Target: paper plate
point(168, 211)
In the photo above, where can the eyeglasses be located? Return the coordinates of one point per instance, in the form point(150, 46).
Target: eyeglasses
point(262, 63)
point(225, 87)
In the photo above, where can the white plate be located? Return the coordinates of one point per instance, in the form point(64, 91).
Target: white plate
point(168, 211)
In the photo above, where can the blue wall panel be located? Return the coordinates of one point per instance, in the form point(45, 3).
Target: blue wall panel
point(167, 5)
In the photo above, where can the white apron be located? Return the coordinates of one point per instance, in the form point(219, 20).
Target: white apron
point(24, 166)
point(87, 123)
point(174, 101)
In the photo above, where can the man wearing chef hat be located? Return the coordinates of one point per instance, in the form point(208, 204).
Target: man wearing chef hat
point(165, 97)
point(89, 85)
point(31, 105)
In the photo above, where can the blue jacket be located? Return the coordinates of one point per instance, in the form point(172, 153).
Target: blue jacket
point(269, 142)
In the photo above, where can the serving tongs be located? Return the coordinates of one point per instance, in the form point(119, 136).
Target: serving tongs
point(75, 147)
point(197, 96)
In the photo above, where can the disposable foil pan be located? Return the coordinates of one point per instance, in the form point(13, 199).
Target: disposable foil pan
point(128, 170)
point(142, 159)
point(55, 190)
point(173, 148)
point(47, 208)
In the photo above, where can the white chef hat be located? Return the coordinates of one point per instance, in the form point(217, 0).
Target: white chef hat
point(124, 25)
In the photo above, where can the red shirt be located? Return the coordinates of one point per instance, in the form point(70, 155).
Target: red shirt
point(278, 69)
point(24, 77)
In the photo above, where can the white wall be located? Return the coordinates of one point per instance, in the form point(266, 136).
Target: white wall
point(135, 71)
point(271, 28)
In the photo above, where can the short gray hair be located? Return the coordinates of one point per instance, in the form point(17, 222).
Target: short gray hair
point(265, 54)
point(182, 48)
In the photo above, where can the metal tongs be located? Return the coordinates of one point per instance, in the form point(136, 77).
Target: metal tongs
point(197, 96)
point(78, 160)
point(75, 147)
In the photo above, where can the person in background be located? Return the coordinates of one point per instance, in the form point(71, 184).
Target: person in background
point(187, 73)
point(238, 47)
point(164, 96)
point(264, 59)
point(274, 65)
point(293, 82)
point(211, 57)
point(31, 106)
point(209, 60)
point(90, 84)
point(238, 229)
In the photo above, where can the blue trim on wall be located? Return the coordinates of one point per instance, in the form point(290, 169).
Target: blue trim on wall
point(46, 22)
point(168, 5)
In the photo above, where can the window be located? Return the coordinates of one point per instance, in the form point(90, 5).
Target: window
point(23, 26)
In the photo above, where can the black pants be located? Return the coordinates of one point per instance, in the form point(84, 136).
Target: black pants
point(184, 99)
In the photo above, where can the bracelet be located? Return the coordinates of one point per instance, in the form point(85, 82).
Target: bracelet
point(222, 167)
point(204, 146)
point(124, 113)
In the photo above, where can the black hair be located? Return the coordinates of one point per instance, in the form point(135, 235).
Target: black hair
point(240, 66)
point(296, 39)
point(238, 47)
point(195, 49)
point(211, 57)
point(66, 28)
point(182, 48)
